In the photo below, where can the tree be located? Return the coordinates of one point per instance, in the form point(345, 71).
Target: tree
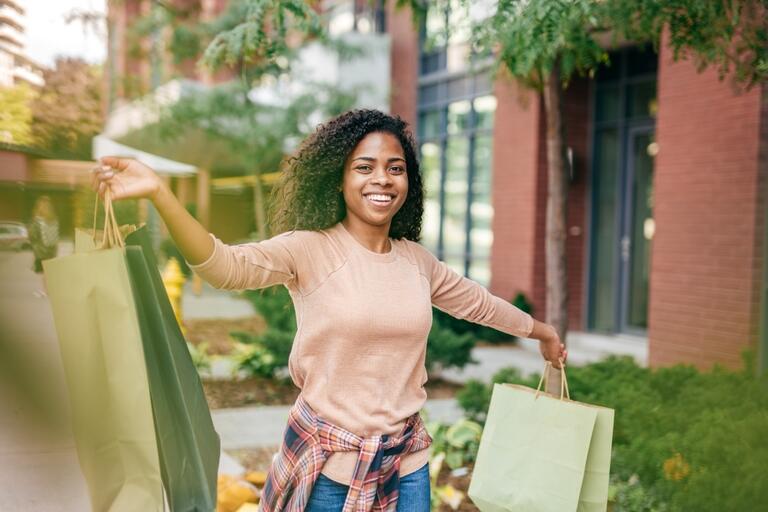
point(67, 113)
point(15, 114)
point(250, 134)
point(258, 40)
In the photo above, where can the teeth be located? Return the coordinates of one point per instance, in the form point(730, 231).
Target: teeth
point(379, 197)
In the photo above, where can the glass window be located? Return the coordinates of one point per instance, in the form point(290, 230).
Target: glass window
point(485, 108)
point(456, 185)
point(604, 229)
point(481, 234)
point(429, 124)
point(641, 99)
point(458, 116)
point(608, 103)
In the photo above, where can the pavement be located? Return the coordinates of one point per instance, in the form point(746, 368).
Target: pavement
point(38, 462)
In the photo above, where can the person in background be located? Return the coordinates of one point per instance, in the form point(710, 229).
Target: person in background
point(43, 234)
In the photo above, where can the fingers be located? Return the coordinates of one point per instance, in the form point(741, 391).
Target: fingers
point(116, 162)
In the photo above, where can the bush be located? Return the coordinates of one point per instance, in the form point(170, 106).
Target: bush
point(446, 348)
point(266, 353)
point(274, 304)
point(682, 439)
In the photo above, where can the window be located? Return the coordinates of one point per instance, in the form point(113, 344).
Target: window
point(455, 123)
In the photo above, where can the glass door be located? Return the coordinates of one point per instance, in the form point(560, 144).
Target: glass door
point(638, 230)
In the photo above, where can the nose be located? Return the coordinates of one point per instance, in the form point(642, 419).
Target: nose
point(381, 176)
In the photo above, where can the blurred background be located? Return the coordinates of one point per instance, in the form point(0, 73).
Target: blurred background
point(664, 146)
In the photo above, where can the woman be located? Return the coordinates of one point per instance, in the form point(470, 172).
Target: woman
point(43, 232)
point(348, 210)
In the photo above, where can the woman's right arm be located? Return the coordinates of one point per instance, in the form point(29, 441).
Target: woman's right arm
point(130, 179)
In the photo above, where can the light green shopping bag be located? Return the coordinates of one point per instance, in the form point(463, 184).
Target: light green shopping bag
point(540, 453)
point(103, 359)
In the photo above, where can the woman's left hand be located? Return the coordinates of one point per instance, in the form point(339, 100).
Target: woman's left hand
point(552, 349)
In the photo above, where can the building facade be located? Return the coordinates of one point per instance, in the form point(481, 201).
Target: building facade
point(15, 66)
point(666, 201)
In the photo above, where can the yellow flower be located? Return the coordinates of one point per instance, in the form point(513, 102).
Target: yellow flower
point(676, 468)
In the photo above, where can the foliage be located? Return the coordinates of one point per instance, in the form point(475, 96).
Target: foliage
point(274, 304)
point(16, 114)
point(200, 357)
point(531, 38)
point(67, 113)
point(266, 353)
point(447, 348)
point(732, 36)
point(683, 439)
point(459, 441)
point(253, 131)
point(255, 32)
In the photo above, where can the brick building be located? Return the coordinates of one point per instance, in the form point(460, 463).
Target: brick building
point(666, 206)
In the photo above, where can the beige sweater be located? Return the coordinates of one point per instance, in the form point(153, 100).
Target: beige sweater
point(362, 323)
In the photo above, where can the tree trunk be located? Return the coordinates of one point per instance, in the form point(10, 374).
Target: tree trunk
point(259, 207)
point(556, 232)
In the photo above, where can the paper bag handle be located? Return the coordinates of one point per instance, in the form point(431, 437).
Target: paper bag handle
point(564, 392)
point(111, 234)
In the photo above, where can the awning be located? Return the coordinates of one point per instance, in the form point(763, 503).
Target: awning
point(104, 146)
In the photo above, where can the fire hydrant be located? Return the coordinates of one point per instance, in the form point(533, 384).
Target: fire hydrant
point(173, 280)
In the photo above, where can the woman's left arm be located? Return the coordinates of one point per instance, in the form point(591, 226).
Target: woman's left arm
point(466, 299)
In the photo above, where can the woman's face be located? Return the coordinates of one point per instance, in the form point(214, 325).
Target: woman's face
point(375, 181)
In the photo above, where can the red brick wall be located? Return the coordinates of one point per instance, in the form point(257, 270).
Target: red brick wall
point(404, 62)
point(706, 254)
point(13, 166)
point(518, 260)
point(514, 194)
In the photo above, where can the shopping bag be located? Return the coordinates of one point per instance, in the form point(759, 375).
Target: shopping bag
point(540, 453)
point(188, 445)
point(185, 447)
point(105, 371)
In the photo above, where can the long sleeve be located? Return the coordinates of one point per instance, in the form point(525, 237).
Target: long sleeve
point(466, 299)
point(251, 265)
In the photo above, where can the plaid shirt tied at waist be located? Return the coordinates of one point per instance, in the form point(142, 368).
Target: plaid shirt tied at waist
point(307, 443)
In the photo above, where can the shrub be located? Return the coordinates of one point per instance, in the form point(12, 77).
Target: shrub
point(682, 439)
point(274, 304)
point(446, 348)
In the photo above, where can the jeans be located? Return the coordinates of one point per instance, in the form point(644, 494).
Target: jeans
point(328, 495)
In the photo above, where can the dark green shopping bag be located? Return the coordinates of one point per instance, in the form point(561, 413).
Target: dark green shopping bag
point(187, 443)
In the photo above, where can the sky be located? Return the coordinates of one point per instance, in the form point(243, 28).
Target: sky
point(48, 35)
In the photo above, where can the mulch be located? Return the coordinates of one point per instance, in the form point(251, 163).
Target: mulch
point(215, 332)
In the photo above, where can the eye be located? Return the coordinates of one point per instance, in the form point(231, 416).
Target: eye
point(363, 167)
point(397, 169)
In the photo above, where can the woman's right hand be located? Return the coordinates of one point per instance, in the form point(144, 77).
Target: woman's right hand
point(126, 178)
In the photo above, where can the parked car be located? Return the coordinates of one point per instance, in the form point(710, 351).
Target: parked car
point(14, 236)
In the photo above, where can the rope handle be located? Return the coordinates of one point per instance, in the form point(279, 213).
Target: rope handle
point(564, 392)
point(111, 233)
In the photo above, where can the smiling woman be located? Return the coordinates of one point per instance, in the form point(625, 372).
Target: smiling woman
point(348, 209)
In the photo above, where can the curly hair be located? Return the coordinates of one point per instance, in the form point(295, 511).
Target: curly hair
point(307, 196)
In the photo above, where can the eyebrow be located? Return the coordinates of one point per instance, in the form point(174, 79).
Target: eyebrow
point(371, 159)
